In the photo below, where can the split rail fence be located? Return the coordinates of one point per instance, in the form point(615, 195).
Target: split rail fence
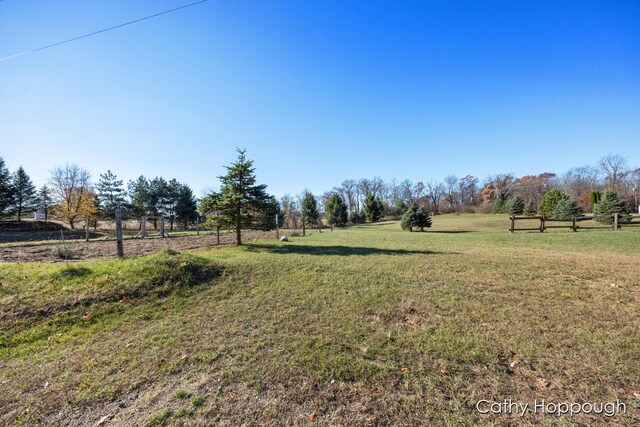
point(573, 222)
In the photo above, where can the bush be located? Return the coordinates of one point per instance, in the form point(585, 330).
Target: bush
point(357, 217)
point(515, 205)
point(550, 201)
point(609, 204)
point(567, 209)
point(594, 199)
point(415, 218)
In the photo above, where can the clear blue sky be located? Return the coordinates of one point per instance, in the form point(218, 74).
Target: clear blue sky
point(320, 91)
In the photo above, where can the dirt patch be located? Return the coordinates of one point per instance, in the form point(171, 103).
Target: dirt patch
point(132, 247)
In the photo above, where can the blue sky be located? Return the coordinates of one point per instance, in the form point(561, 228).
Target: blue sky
point(318, 92)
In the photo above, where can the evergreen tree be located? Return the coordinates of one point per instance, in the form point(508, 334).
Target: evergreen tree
point(24, 194)
point(209, 210)
point(415, 217)
point(373, 208)
point(268, 215)
point(337, 213)
point(567, 209)
point(550, 200)
point(516, 205)
point(168, 200)
point(186, 206)
point(608, 205)
point(44, 201)
point(401, 207)
point(110, 193)
point(241, 200)
point(594, 199)
point(309, 211)
point(530, 208)
point(357, 217)
point(498, 206)
point(139, 195)
point(6, 189)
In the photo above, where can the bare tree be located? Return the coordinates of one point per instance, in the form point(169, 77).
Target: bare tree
point(72, 193)
point(468, 190)
point(451, 193)
point(348, 188)
point(434, 192)
point(614, 168)
point(503, 186)
point(576, 181)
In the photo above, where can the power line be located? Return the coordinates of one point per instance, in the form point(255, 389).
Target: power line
point(26, 52)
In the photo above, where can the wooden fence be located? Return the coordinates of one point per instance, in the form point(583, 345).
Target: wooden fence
point(572, 223)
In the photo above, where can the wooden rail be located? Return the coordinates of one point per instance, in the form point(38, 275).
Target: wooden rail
point(635, 220)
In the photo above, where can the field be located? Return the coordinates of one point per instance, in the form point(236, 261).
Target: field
point(367, 325)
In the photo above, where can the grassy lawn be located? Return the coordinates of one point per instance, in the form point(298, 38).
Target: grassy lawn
point(367, 325)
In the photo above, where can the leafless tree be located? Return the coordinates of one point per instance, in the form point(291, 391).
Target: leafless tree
point(434, 193)
point(349, 189)
point(468, 190)
point(291, 209)
point(451, 193)
point(576, 181)
point(614, 168)
point(503, 185)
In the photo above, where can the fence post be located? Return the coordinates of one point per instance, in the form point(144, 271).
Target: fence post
point(197, 225)
point(217, 235)
point(162, 226)
point(86, 229)
point(542, 224)
point(615, 221)
point(277, 230)
point(119, 232)
point(513, 224)
point(574, 224)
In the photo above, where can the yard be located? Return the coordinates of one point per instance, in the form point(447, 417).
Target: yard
point(367, 325)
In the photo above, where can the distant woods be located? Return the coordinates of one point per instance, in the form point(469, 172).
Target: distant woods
point(72, 196)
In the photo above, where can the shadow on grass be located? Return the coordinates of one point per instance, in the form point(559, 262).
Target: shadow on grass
point(335, 250)
point(449, 231)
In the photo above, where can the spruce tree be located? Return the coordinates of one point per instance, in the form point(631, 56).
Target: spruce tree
point(498, 206)
point(139, 195)
point(357, 217)
point(415, 217)
point(6, 189)
point(373, 208)
point(530, 208)
point(241, 198)
point(516, 205)
point(608, 205)
point(24, 194)
point(337, 210)
point(550, 200)
point(186, 206)
point(268, 215)
point(44, 201)
point(110, 193)
point(309, 211)
point(567, 209)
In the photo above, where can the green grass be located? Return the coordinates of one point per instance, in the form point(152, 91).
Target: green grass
point(367, 324)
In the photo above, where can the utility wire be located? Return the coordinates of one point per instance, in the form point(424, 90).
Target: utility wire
point(26, 52)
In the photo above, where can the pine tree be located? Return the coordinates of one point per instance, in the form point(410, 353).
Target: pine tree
point(401, 207)
point(498, 206)
point(186, 206)
point(44, 201)
point(139, 195)
point(608, 205)
point(110, 193)
point(415, 217)
point(530, 208)
point(516, 205)
point(24, 194)
point(241, 199)
point(373, 208)
point(567, 209)
point(6, 189)
point(550, 200)
point(268, 215)
point(337, 213)
point(357, 217)
point(309, 211)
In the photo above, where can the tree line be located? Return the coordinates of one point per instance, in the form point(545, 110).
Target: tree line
point(241, 202)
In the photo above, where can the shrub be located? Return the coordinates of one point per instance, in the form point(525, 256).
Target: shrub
point(63, 252)
point(373, 208)
point(357, 217)
point(609, 204)
point(415, 218)
point(550, 201)
point(567, 209)
point(594, 199)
